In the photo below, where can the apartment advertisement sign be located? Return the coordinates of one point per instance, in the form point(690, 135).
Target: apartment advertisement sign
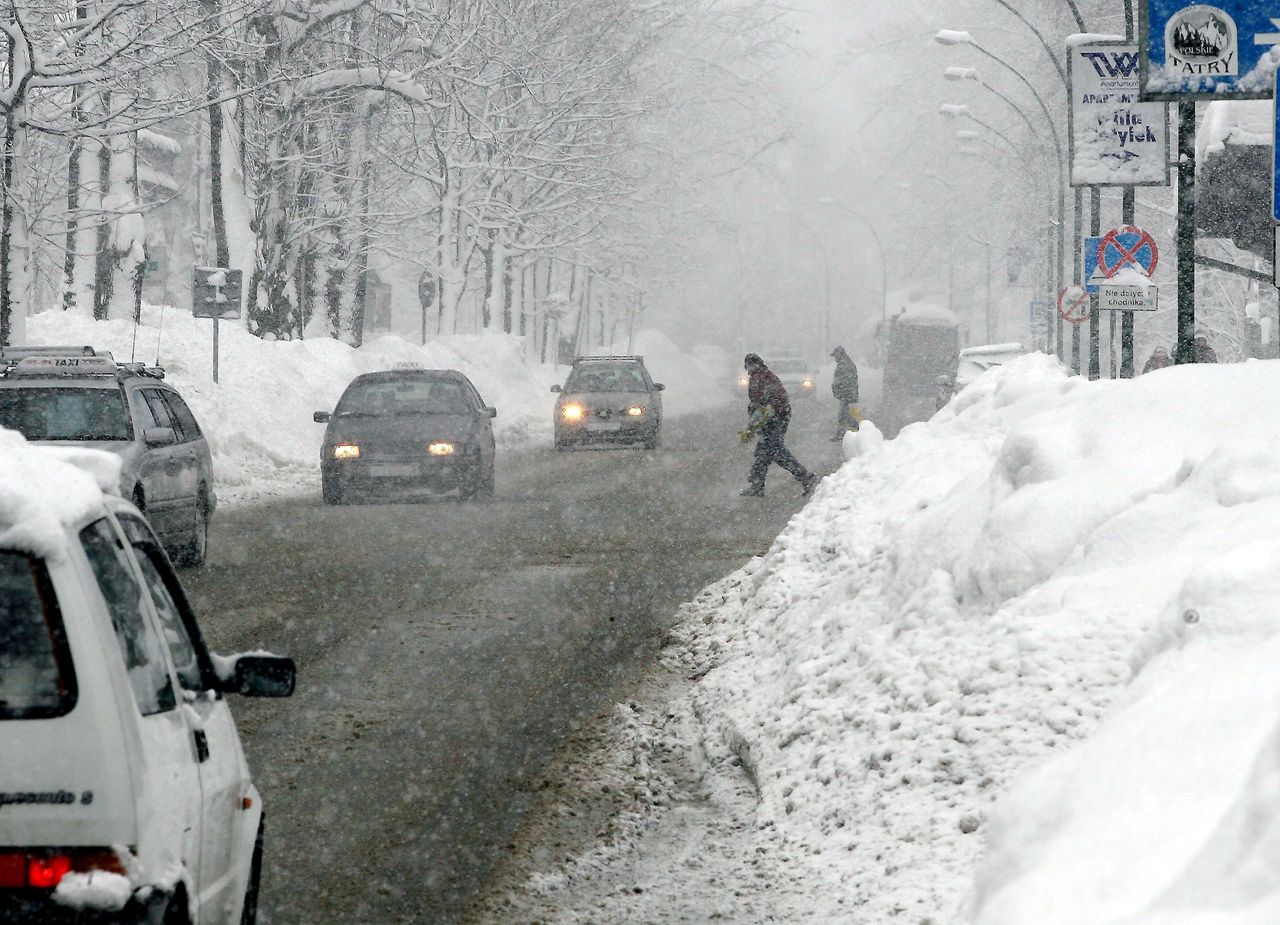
point(1116, 140)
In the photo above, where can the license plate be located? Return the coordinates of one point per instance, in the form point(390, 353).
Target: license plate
point(393, 470)
point(604, 425)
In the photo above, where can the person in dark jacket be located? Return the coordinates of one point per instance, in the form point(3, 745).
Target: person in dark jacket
point(844, 386)
point(1159, 360)
point(1201, 350)
point(770, 411)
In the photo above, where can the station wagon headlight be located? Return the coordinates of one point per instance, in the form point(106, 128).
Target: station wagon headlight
point(635, 411)
point(346, 451)
point(441, 448)
point(573, 412)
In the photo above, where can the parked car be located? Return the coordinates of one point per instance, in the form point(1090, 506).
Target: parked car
point(608, 399)
point(407, 431)
point(124, 792)
point(974, 361)
point(78, 395)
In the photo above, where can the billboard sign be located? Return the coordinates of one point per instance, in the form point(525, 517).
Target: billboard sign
point(1223, 50)
point(1115, 139)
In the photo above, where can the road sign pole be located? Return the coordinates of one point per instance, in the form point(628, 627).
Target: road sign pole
point(1095, 229)
point(1185, 352)
point(1127, 218)
point(1079, 234)
point(215, 348)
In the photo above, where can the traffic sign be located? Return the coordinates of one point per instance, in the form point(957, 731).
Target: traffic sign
point(1091, 274)
point(1127, 247)
point(215, 292)
point(1203, 51)
point(1128, 298)
point(1073, 305)
point(1275, 156)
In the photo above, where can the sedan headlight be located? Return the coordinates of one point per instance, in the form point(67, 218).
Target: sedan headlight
point(441, 448)
point(808, 383)
point(346, 451)
point(635, 411)
point(573, 412)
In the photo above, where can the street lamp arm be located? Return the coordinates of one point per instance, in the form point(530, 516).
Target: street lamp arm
point(1075, 11)
point(1062, 74)
point(1039, 100)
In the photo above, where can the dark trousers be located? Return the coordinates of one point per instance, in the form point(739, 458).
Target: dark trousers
point(770, 448)
point(845, 419)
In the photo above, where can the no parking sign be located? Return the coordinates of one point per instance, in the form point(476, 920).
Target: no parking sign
point(1127, 247)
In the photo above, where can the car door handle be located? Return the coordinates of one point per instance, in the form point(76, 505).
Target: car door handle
point(202, 746)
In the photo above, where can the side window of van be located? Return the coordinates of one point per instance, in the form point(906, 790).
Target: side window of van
point(194, 673)
point(140, 645)
point(188, 429)
point(36, 677)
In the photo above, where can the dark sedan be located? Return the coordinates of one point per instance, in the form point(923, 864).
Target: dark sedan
point(408, 432)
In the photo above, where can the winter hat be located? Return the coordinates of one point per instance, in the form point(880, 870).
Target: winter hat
point(837, 352)
point(752, 359)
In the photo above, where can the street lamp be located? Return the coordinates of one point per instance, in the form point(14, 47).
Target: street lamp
point(826, 267)
point(875, 236)
point(952, 37)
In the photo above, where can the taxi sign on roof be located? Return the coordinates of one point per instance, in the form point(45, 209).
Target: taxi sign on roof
point(66, 366)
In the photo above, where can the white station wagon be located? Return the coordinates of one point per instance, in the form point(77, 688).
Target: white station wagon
point(124, 792)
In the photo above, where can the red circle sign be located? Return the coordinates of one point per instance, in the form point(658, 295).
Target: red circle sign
point(1128, 246)
point(1073, 304)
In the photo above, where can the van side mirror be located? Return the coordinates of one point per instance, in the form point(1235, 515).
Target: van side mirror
point(159, 436)
point(261, 676)
point(658, 386)
point(555, 388)
point(492, 412)
point(321, 417)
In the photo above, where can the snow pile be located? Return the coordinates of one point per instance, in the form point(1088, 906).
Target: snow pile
point(97, 890)
point(970, 598)
point(42, 490)
point(258, 417)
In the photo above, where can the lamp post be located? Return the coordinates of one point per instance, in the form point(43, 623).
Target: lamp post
point(826, 267)
point(875, 236)
point(950, 37)
point(1052, 277)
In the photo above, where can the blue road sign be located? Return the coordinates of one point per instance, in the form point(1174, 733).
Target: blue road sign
point(1091, 273)
point(1208, 51)
point(1275, 162)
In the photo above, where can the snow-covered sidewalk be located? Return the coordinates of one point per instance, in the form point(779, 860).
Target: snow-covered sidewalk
point(1015, 666)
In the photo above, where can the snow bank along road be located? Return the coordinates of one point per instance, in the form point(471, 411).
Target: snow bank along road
point(445, 648)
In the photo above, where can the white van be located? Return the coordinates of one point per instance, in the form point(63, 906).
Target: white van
point(124, 793)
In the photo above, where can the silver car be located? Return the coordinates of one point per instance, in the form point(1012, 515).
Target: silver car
point(78, 396)
point(609, 400)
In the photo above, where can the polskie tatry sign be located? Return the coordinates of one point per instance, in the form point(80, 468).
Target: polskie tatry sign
point(1115, 139)
point(1220, 50)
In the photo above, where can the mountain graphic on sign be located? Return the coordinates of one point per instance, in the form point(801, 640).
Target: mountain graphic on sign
point(1208, 39)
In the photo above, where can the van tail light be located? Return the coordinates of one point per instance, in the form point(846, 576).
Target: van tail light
point(44, 868)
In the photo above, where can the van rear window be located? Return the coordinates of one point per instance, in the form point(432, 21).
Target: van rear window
point(36, 677)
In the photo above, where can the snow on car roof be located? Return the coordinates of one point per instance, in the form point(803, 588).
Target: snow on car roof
point(45, 489)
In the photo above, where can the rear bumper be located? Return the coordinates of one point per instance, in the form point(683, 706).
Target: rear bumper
point(24, 907)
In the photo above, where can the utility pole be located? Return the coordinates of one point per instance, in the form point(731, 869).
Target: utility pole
point(1127, 218)
point(1184, 352)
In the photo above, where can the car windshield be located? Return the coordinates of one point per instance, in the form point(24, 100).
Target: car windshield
point(595, 378)
point(52, 413)
point(35, 674)
point(404, 396)
point(789, 366)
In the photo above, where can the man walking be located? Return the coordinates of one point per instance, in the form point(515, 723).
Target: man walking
point(770, 413)
point(844, 386)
